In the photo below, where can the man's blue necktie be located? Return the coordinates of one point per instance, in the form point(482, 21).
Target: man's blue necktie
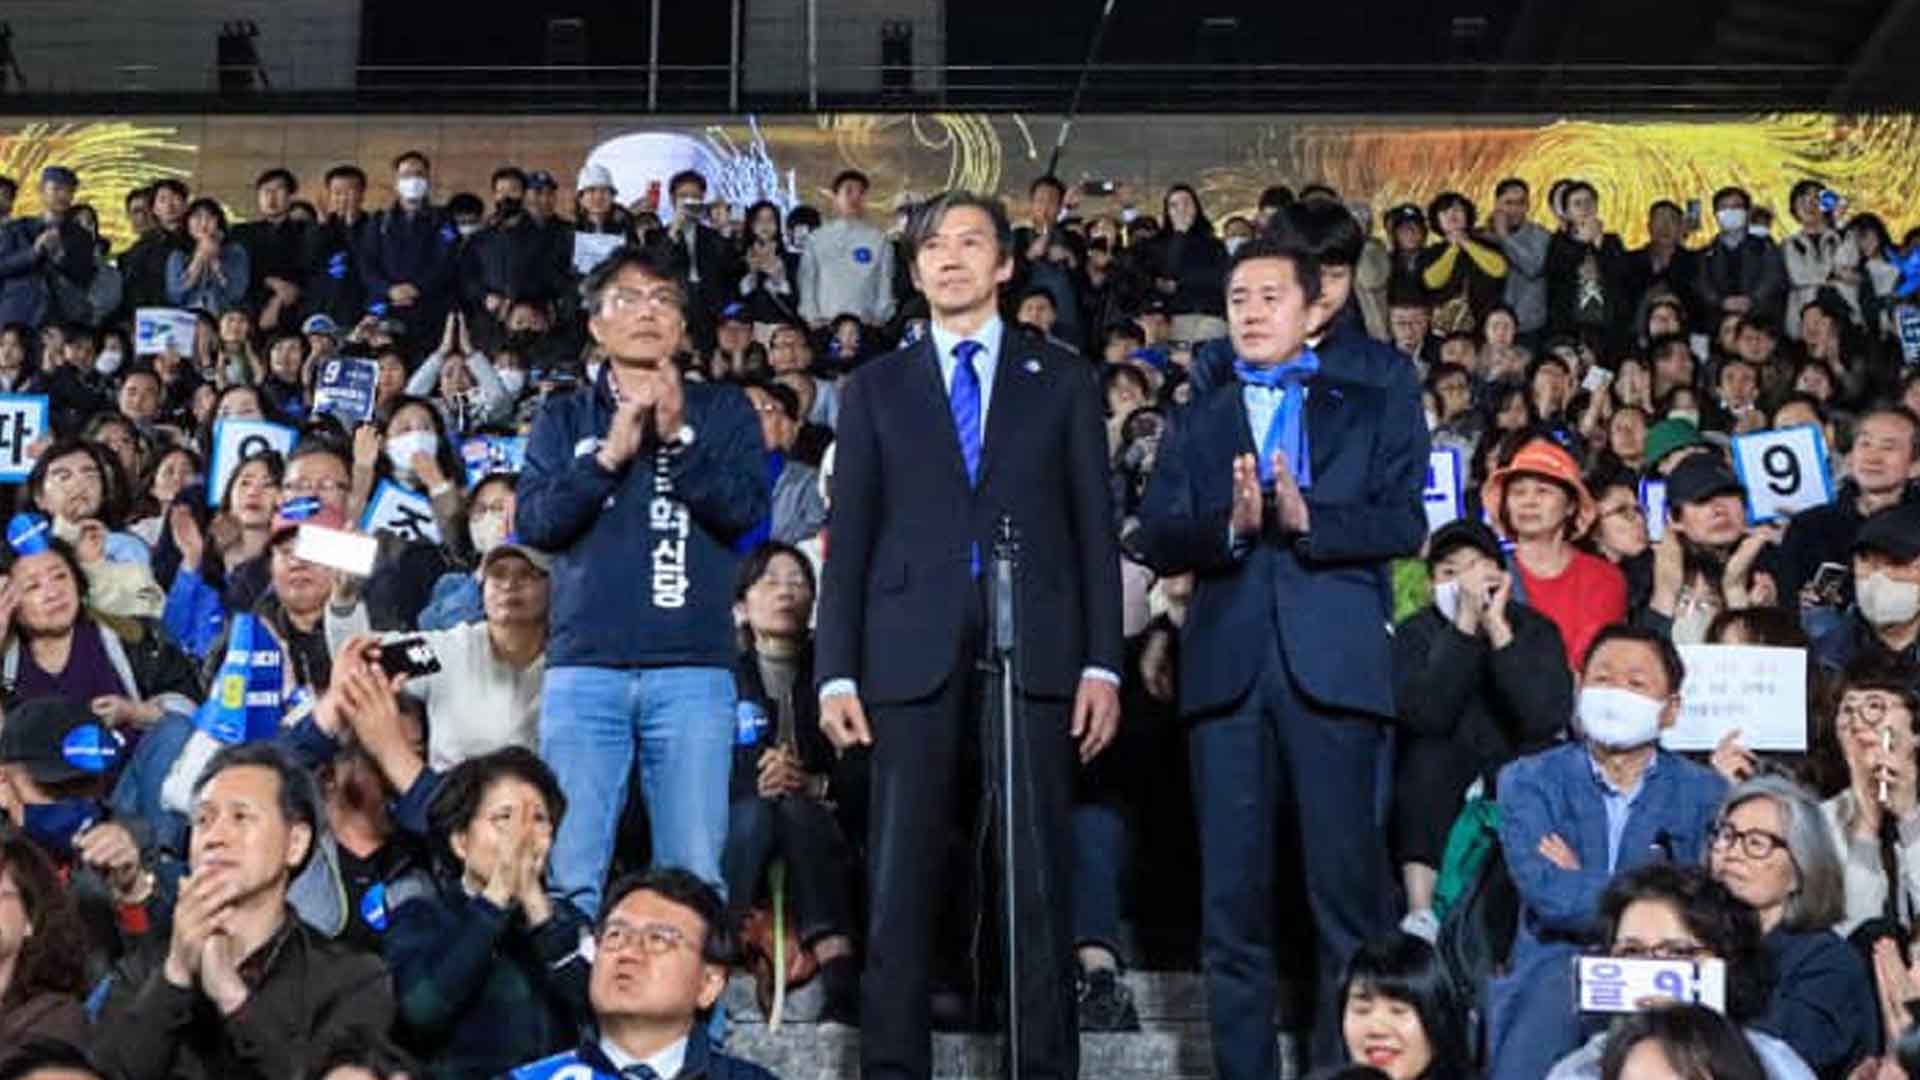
point(964, 400)
point(1287, 431)
point(639, 1072)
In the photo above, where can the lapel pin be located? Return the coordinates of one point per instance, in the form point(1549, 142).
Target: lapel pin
point(1032, 366)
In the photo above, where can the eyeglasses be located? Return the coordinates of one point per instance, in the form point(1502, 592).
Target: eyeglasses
point(628, 301)
point(1869, 713)
point(314, 487)
point(654, 939)
point(1659, 950)
point(1755, 844)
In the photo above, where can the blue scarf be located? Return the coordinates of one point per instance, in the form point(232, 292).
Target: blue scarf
point(1287, 431)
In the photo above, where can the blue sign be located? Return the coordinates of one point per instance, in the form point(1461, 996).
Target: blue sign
point(247, 693)
point(749, 723)
point(487, 454)
point(1907, 318)
point(345, 389)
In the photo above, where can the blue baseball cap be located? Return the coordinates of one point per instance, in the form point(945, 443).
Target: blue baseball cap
point(59, 174)
point(320, 324)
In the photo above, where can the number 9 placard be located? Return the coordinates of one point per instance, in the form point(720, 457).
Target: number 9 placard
point(1784, 471)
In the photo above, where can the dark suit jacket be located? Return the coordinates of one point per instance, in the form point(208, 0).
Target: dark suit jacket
point(1327, 594)
point(897, 584)
point(1761, 276)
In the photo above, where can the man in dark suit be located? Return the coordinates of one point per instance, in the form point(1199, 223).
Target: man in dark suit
point(1287, 492)
point(1740, 273)
point(935, 443)
point(712, 261)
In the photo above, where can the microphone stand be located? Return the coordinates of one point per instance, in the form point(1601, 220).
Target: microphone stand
point(1002, 638)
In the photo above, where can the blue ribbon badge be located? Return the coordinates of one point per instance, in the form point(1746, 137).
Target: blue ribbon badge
point(28, 533)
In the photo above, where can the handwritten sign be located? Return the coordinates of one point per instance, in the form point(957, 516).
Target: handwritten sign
point(1762, 690)
point(155, 330)
point(1784, 471)
point(345, 389)
point(234, 441)
point(488, 454)
point(1620, 985)
point(1653, 502)
point(591, 249)
point(23, 422)
point(395, 511)
point(1444, 497)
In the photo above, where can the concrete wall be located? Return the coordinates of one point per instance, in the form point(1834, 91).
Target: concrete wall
point(94, 45)
point(774, 49)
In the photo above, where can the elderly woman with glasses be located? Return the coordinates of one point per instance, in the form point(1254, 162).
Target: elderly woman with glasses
point(1674, 911)
point(1874, 822)
point(1771, 848)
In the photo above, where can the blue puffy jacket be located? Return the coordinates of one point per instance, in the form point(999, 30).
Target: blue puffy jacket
point(643, 561)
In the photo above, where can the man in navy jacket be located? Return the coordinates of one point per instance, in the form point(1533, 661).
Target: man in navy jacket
point(408, 254)
point(1286, 667)
point(639, 486)
point(935, 443)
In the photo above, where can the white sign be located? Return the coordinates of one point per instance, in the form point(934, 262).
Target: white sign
point(1760, 689)
point(1653, 503)
point(1621, 985)
point(156, 329)
point(1784, 471)
point(1444, 499)
point(234, 441)
point(23, 422)
point(589, 249)
point(398, 512)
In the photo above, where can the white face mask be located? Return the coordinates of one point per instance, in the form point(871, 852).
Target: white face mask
point(1691, 416)
point(1732, 219)
point(1886, 602)
point(800, 235)
point(489, 531)
point(1234, 243)
point(1618, 719)
point(108, 362)
point(1446, 597)
point(1764, 232)
point(411, 188)
point(469, 228)
point(514, 379)
point(401, 448)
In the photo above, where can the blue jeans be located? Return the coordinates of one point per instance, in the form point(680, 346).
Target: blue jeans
point(678, 724)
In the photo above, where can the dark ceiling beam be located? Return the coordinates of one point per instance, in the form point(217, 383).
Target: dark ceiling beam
point(1880, 58)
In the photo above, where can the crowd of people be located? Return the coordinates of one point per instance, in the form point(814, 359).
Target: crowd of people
point(687, 680)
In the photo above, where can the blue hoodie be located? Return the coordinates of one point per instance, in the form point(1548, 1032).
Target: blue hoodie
point(643, 557)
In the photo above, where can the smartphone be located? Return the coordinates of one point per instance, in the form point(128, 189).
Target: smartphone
point(1830, 582)
point(1608, 984)
point(409, 656)
point(336, 549)
point(1693, 214)
point(1098, 188)
point(651, 200)
point(1597, 379)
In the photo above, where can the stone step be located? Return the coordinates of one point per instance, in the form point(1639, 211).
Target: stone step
point(1160, 997)
point(832, 1052)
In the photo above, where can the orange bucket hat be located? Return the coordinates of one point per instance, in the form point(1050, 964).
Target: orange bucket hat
point(1545, 458)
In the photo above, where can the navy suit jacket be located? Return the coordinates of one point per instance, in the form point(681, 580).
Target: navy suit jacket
point(1327, 595)
point(897, 584)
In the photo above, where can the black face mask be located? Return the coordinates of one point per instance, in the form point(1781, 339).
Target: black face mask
point(508, 207)
point(522, 340)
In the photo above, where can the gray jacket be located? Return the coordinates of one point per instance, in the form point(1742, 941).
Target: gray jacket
point(847, 268)
point(1526, 251)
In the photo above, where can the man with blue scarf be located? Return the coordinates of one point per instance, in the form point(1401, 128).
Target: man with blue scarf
point(1287, 492)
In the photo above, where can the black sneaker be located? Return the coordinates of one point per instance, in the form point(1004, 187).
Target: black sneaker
point(1105, 1003)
